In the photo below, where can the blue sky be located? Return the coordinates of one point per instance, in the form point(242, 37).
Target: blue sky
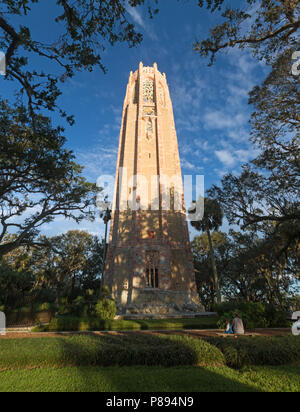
point(210, 103)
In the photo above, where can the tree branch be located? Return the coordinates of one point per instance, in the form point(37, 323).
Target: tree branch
point(17, 40)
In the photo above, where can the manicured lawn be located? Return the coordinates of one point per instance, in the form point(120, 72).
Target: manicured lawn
point(142, 379)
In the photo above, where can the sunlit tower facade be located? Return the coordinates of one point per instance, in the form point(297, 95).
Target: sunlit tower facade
point(149, 264)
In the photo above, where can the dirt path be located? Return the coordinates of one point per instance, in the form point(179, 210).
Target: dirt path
point(192, 333)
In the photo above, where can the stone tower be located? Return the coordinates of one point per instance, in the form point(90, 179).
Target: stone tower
point(149, 265)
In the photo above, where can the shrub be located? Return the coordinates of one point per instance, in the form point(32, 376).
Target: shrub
point(78, 307)
point(254, 314)
point(106, 309)
point(44, 307)
point(63, 306)
point(258, 351)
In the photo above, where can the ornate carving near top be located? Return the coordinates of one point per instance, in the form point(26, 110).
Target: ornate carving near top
point(149, 126)
point(149, 130)
point(149, 111)
point(148, 91)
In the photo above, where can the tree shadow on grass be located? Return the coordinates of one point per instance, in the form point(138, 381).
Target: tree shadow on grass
point(143, 363)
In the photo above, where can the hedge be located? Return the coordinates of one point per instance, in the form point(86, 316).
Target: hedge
point(74, 324)
point(271, 351)
point(108, 350)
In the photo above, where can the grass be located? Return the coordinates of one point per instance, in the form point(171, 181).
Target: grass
point(152, 379)
point(140, 362)
point(70, 324)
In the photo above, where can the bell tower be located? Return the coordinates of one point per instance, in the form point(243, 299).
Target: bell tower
point(149, 265)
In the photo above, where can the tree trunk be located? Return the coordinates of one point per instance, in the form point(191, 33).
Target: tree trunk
point(214, 268)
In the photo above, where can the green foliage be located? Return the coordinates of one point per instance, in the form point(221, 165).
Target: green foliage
point(250, 267)
point(206, 220)
point(45, 182)
point(258, 350)
point(108, 350)
point(140, 349)
point(212, 218)
point(106, 309)
point(28, 316)
point(70, 265)
point(15, 285)
point(44, 307)
point(184, 379)
point(63, 276)
point(203, 268)
point(72, 324)
point(266, 29)
point(264, 198)
point(78, 307)
point(295, 302)
point(88, 28)
point(254, 315)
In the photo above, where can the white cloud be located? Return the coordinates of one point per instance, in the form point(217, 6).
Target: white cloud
point(188, 165)
point(220, 120)
point(136, 16)
point(225, 157)
point(138, 19)
point(98, 161)
point(246, 155)
point(61, 226)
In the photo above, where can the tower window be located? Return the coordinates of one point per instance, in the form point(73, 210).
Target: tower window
point(152, 274)
point(152, 278)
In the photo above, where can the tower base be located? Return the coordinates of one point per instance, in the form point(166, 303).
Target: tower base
point(160, 302)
